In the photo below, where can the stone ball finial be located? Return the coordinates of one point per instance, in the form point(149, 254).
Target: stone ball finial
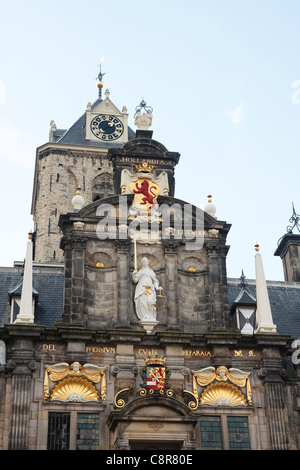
point(78, 200)
point(210, 208)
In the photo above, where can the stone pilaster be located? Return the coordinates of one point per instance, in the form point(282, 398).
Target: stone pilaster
point(218, 282)
point(275, 407)
point(20, 396)
point(123, 266)
point(75, 249)
point(171, 258)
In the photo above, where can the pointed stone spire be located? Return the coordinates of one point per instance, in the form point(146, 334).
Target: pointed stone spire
point(26, 311)
point(263, 309)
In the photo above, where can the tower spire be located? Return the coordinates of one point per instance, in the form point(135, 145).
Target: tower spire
point(100, 77)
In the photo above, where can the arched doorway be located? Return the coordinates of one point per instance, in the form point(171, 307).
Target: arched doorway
point(153, 423)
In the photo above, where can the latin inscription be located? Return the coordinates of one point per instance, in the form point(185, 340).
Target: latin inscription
point(49, 347)
point(198, 353)
point(101, 349)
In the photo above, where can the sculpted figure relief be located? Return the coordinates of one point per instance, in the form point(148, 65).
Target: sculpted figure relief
point(145, 292)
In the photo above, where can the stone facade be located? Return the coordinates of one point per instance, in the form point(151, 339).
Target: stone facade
point(140, 419)
point(97, 377)
point(60, 173)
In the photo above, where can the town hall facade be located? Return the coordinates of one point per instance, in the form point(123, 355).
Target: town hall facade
point(122, 330)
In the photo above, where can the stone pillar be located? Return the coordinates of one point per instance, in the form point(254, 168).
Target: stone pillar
point(66, 246)
point(275, 408)
point(171, 258)
point(123, 276)
point(20, 404)
point(218, 282)
point(74, 255)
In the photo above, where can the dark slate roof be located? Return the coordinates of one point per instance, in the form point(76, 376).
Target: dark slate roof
point(244, 298)
point(48, 285)
point(76, 134)
point(284, 300)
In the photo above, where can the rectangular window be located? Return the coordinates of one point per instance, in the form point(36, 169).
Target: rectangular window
point(58, 431)
point(87, 431)
point(210, 433)
point(238, 433)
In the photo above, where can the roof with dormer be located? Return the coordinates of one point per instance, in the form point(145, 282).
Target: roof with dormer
point(284, 301)
point(49, 283)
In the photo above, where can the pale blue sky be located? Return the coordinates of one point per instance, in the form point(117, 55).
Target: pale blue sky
point(218, 74)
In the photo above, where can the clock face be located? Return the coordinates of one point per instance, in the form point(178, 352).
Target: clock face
point(106, 127)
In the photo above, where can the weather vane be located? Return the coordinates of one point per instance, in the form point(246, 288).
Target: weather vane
point(295, 220)
point(99, 78)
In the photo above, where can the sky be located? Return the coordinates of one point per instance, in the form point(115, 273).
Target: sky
point(222, 76)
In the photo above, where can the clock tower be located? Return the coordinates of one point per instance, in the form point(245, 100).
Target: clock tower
point(74, 161)
point(105, 123)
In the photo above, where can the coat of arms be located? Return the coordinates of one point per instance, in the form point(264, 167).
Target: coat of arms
point(155, 376)
point(145, 186)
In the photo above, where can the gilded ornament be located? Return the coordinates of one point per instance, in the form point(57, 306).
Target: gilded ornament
point(206, 376)
point(222, 394)
point(98, 264)
point(193, 403)
point(120, 402)
point(75, 389)
point(62, 370)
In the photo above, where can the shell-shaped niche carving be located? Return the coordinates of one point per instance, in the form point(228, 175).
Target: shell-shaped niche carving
point(143, 252)
point(192, 264)
point(75, 389)
point(222, 395)
point(99, 259)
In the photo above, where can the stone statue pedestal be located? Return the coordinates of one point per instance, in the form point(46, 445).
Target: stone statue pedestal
point(148, 325)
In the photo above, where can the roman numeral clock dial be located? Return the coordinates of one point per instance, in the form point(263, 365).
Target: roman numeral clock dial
point(106, 127)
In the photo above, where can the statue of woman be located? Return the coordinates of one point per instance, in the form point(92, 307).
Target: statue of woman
point(145, 295)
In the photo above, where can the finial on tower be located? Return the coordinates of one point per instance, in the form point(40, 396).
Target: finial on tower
point(78, 200)
point(100, 76)
point(210, 208)
point(295, 220)
point(143, 121)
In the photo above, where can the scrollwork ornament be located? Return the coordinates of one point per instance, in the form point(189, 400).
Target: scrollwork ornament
point(262, 373)
point(32, 365)
point(120, 402)
point(115, 370)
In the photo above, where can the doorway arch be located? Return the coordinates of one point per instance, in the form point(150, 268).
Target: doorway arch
point(153, 423)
